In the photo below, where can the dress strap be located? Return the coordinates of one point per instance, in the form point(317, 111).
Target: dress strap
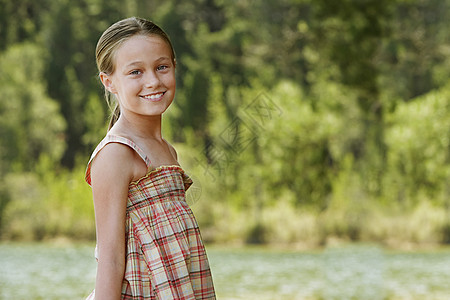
point(110, 138)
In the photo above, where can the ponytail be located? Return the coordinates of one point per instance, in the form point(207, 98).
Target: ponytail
point(114, 108)
point(114, 116)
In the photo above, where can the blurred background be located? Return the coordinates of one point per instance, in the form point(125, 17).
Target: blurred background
point(305, 124)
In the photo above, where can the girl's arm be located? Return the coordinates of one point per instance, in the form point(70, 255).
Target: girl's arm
point(111, 175)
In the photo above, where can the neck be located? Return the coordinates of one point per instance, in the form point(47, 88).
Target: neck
point(146, 128)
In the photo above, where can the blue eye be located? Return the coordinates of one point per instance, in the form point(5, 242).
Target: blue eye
point(135, 72)
point(162, 68)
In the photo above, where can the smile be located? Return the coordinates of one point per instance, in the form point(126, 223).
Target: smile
point(153, 97)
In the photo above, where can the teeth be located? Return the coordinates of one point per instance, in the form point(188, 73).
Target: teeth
point(154, 96)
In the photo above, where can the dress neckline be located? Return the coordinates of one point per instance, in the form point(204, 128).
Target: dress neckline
point(159, 169)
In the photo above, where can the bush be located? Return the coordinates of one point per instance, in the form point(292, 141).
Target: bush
point(48, 204)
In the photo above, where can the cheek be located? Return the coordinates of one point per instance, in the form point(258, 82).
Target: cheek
point(170, 80)
point(130, 85)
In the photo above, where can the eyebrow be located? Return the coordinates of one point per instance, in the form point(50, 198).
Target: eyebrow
point(139, 62)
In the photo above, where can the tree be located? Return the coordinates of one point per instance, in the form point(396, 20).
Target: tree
point(350, 34)
point(30, 121)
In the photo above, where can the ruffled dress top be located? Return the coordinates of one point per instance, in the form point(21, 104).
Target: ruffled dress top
point(165, 255)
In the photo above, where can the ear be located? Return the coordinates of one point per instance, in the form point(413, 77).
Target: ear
point(107, 82)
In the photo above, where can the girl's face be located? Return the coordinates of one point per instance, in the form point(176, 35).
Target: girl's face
point(144, 76)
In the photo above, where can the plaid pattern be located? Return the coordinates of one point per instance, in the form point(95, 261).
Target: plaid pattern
point(165, 257)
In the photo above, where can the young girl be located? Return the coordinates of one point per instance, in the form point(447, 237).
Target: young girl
point(148, 242)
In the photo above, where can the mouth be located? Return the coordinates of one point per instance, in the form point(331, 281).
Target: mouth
point(153, 97)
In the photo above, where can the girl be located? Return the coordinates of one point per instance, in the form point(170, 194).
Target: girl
point(148, 242)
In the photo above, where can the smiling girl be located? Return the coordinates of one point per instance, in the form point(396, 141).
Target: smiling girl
point(148, 241)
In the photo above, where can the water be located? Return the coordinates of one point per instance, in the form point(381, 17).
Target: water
point(44, 271)
point(39, 271)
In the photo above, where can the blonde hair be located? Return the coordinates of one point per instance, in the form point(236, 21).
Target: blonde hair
point(112, 39)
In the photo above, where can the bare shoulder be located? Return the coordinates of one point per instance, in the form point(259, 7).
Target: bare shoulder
point(114, 164)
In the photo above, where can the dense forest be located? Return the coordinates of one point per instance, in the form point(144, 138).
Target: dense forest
point(301, 122)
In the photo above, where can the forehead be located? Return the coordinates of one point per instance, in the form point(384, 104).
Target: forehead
point(142, 48)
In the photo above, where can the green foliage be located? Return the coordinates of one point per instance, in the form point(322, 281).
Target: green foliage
point(48, 203)
point(301, 121)
point(419, 143)
point(417, 50)
point(24, 217)
point(30, 122)
point(20, 21)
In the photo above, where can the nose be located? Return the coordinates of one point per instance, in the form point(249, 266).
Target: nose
point(152, 80)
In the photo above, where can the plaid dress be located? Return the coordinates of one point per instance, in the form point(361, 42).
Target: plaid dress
point(165, 256)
